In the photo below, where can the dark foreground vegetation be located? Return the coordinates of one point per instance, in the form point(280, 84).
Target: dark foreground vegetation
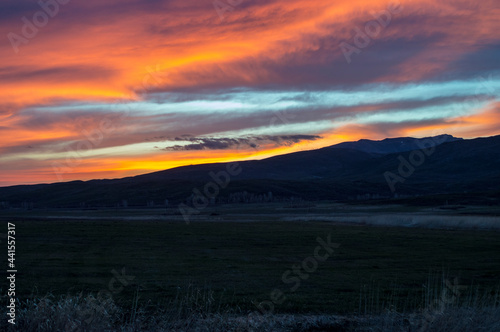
point(196, 312)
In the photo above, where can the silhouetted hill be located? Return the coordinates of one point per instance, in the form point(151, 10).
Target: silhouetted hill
point(320, 163)
point(363, 169)
point(329, 162)
point(393, 145)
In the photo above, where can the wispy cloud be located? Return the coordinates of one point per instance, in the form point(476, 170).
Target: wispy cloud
point(196, 143)
point(268, 78)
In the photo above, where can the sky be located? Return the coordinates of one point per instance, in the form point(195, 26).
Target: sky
point(107, 89)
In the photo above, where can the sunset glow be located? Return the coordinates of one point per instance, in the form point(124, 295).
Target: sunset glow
point(108, 89)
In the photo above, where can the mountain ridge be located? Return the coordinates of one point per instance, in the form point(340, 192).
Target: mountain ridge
point(335, 173)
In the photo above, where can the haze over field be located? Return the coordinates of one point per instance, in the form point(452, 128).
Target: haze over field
point(108, 89)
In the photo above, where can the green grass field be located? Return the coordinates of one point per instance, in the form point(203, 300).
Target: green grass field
point(243, 262)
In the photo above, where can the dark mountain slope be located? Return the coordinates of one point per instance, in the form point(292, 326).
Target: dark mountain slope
point(454, 166)
point(293, 166)
point(394, 145)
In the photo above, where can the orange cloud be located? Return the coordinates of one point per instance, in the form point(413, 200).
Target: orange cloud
point(98, 52)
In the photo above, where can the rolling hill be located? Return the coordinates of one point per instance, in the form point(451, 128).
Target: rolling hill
point(346, 171)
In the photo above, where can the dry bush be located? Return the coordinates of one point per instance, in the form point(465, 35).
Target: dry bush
point(197, 310)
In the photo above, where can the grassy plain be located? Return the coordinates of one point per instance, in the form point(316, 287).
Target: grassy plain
point(239, 255)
